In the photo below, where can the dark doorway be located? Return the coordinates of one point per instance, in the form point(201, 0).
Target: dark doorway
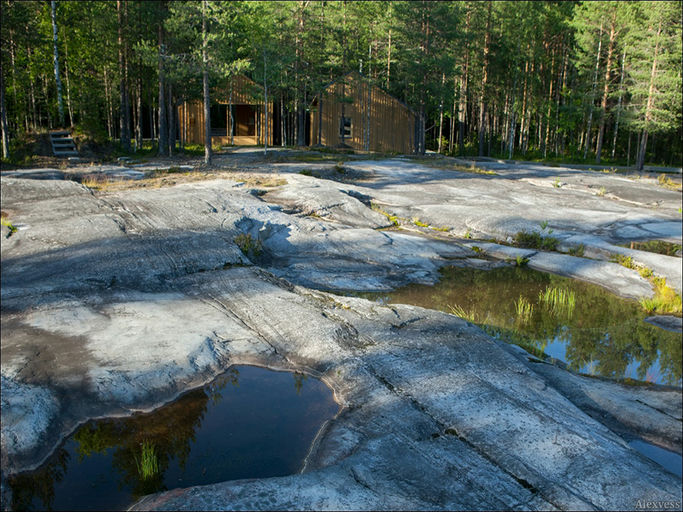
point(219, 120)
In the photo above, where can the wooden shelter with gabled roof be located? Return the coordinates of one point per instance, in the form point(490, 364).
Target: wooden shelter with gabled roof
point(237, 115)
point(362, 116)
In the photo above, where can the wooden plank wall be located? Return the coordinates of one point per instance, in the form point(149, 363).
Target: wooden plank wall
point(392, 124)
point(191, 117)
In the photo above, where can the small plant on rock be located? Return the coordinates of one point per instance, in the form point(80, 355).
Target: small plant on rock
point(248, 245)
point(457, 310)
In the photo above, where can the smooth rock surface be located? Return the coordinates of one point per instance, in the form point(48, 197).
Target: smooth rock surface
point(119, 301)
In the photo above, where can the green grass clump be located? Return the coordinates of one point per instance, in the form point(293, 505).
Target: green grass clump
point(392, 218)
point(656, 246)
point(524, 309)
point(577, 250)
point(520, 261)
point(148, 463)
point(419, 223)
point(560, 301)
point(535, 240)
point(624, 261)
point(665, 301)
point(306, 172)
point(668, 183)
point(248, 245)
point(470, 316)
point(5, 222)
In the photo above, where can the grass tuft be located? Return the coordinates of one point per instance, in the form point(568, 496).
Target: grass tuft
point(524, 309)
point(148, 463)
point(560, 301)
point(668, 183)
point(535, 240)
point(248, 245)
point(470, 316)
point(577, 250)
point(665, 301)
point(392, 218)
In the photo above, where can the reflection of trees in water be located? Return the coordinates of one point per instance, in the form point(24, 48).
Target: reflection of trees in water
point(170, 429)
point(603, 329)
point(39, 484)
point(299, 379)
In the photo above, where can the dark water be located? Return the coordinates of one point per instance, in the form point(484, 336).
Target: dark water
point(248, 423)
point(601, 334)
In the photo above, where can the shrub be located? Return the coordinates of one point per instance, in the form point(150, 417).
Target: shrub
point(248, 245)
point(535, 240)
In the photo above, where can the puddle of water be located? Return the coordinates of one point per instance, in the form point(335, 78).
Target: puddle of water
point(670, 460)
point(248, 423)
point(601, 334)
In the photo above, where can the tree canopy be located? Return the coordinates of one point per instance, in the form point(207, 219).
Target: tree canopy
point(594, 81)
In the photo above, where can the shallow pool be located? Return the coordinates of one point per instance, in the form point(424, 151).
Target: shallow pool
point(248, 423)
point(583, 325)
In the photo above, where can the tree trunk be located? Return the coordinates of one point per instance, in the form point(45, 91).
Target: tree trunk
point(320, 118)
point(549, 112)
point(605, 92)
point(485, 69)
point(616, 124)
point(592, 97)
point(443, 83)
point(388, 60)
point(171, 119)
point(205, 81)
point(162, 148)
point(368, 102)
point(3, 119)
point(138, 107)
point(232, 115)
point(60, 106)
point(107, 96)
point(68, 86)
point(124, 120)
point(283, 132)
point(650, 102)
point(265, 106)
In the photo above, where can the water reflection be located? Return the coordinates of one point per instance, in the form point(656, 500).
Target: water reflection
point(249, 422)
point(596, 332)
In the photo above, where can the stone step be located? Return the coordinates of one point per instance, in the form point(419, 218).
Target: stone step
point(59, 133)
point(66, 153)
point(63, 143)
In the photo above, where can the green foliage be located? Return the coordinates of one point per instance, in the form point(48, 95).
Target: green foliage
point(147, 464)
point(249, 246)
point(668, 183)
point(539, 58)
point(520, 261)
point(5, 222)
point(470, 316)
point(524, 309)
point(560, 301)
point(577, 250)
point(656, 246)
point(392, 218)
point(624, 261)
point(535, 240)
point(665, 301)
point(603, 329)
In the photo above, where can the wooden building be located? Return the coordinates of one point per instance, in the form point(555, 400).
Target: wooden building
point(237, 115)
point(363, 117)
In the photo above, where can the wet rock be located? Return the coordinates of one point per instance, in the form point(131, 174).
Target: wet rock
point(667, 322)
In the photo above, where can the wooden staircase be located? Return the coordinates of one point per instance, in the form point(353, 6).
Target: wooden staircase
point(62, 144)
